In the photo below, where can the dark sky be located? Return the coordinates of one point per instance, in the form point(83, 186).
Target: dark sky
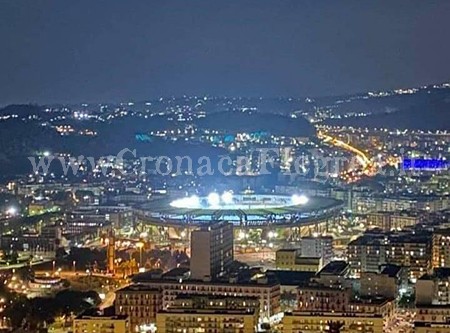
point(117, 50)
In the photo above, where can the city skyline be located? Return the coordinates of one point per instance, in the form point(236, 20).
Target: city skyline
point(95, 52)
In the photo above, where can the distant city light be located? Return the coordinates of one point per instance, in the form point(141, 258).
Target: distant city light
point(299, 199)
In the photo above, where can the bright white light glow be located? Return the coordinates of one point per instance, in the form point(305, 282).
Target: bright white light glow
point(12, 211)
point(46, 153)
point(299, 199)
point(227, 198)
point(188, 202)
point(230, 200)
point(213, 199)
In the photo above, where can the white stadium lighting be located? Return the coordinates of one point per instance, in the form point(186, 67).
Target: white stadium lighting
point(227, 198)
point(213, 199)
point(193, 202)
point(188, 202)
point(299, 199)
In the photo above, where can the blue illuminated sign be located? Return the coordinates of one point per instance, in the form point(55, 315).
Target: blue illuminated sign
point(424, 164)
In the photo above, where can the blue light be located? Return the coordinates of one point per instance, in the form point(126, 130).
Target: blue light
point(424, 164)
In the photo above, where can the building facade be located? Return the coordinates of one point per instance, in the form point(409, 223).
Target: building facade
point(441, 248)
point(371, 316)
point(432, 319)
point(209, 314)
point(268, 293)
point(101, 324)
point(211, 251)
point(370, 251)
point(140, 303)
point(320, 247)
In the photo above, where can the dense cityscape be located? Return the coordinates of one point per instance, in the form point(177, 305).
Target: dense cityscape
point(221, 213)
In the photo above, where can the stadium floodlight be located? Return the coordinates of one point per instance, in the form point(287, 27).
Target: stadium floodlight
point(213, 199)
point(227, 198)
point(193, 201)
point(299, 199)
point(188, 202)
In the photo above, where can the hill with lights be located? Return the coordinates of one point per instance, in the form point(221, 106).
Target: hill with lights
point(238, 122)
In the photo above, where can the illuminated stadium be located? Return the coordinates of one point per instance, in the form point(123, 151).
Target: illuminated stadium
point(245, 210)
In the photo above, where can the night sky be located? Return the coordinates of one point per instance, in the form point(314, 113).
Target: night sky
point(122, 50)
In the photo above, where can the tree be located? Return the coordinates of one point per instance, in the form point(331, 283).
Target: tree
point(334, 327)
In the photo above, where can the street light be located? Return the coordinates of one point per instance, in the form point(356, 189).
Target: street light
point(140, 245)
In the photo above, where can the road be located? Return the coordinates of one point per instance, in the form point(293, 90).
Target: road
point(402, 323)
point(367, 167)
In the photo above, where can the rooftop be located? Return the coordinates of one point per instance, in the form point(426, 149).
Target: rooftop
point(287, 250)
point(138, 287)
point(438, 273)
point(391, 270)
point(247, 311)
point(214, 297)
point(291, 278)
point(308, 260)
point(337, 267)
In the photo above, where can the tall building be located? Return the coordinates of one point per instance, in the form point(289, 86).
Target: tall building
point(370, 251)
point(111, 252)
point(321, 246)
point(386, 283)
point(366, 254)
point(211, 250)
point(441, 248)
point(434, 288)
